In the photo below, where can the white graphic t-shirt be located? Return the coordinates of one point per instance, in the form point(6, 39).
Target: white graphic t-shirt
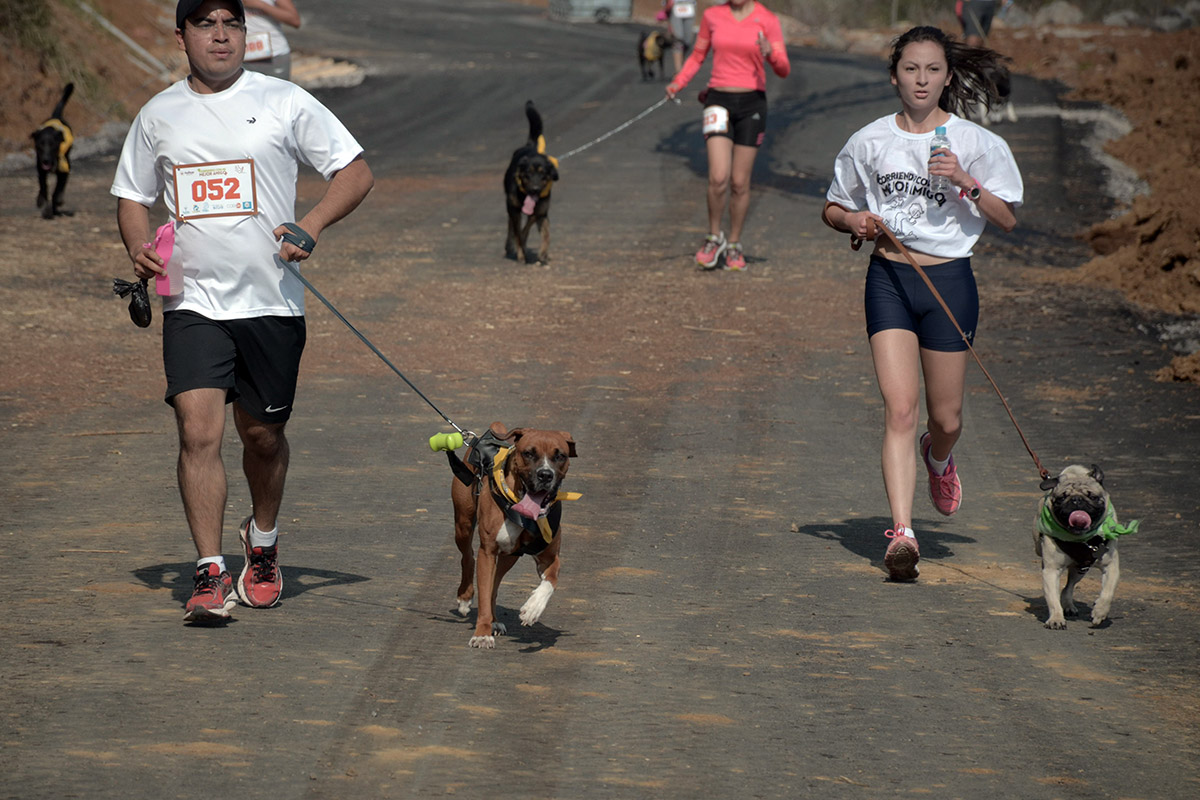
point(886, 170)
point(226, 166)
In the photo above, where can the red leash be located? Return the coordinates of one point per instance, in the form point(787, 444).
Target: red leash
point(857, 243)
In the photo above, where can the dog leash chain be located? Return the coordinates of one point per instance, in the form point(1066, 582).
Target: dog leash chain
point(292, 268)
point(937, 296)
point(617, 129)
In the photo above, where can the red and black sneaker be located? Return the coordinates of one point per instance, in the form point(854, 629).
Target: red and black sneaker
point(261, 582)
point(213, 596)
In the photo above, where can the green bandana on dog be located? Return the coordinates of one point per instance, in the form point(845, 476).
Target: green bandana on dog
point(1109, 527)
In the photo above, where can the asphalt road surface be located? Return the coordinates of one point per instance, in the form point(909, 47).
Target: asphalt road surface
point(723, 626)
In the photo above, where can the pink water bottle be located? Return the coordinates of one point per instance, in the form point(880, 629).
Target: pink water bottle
point(171, 282)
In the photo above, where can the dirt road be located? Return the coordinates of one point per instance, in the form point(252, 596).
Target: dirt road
point(723, 627)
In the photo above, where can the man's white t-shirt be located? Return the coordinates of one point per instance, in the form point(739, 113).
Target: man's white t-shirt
point(886, 170)
point(231, 268)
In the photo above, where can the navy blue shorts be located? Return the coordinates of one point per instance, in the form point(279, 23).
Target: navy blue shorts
point(896, 297)
point(255, 360)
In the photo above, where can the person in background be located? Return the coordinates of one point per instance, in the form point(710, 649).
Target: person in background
point(681, 22)
point(222, 148)
point(885, 173)
point(975, 17)
point(742, 34)
point(267, 48)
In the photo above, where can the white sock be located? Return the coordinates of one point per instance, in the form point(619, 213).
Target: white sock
point(262, 538)
point(939, 467)
point(218, 560)
point(905, 531)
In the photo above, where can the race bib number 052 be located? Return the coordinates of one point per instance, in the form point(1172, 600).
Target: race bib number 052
point(215, 189)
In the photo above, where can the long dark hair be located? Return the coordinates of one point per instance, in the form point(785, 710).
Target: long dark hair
point(978, 76)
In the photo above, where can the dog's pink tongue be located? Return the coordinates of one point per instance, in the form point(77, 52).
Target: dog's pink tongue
point(527, 209)
point(530, 505)
point(1080, 520)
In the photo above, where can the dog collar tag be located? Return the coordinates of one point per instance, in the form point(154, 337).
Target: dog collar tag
point(215, 189)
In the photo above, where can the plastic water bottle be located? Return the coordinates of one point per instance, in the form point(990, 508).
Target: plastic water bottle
point(939, 184)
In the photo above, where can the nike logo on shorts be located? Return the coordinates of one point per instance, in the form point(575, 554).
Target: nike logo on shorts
point(272, 409)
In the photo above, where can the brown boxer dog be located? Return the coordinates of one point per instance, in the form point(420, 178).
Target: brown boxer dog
point(514, 503)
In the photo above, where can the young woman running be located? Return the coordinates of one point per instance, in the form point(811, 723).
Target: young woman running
point(741, 34)
point(887, 173)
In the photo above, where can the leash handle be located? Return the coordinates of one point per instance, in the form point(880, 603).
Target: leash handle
point(937, 296)
point(292, 269)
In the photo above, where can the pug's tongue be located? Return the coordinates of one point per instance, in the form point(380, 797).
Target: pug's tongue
point(527, 208)
point(1079, 520)
point(530, 505)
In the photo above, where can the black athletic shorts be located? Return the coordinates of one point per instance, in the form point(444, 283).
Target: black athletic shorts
point(747, 122)
point(255, 360)
point(896, 297)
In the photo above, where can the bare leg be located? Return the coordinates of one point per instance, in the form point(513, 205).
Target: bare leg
point(739, 188)
point(200, 417)
point(945, 378)
point(720, 163)
point(265, 458)
point(897, 360)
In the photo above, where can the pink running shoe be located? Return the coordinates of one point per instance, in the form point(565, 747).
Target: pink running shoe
point(709, 255)
point(735, 259)
point(212, 598)
point(901, 557)
point(944, 490)
point(261, 582)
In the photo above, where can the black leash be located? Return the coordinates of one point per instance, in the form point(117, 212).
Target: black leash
point(305, 239)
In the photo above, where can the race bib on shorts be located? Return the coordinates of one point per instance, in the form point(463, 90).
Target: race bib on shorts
point(716, 120)
point(258, 47)
point(216, 189)
point(685, 10)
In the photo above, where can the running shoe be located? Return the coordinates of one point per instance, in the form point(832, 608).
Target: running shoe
point(709, 255)
point(213, 596)
point(261, 581)
point(735, 259)
point(901, 557)
point(944, 490)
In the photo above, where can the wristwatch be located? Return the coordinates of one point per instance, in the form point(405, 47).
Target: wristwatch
point(975, 192)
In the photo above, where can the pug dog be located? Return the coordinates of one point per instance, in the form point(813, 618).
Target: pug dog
point(1077, 527)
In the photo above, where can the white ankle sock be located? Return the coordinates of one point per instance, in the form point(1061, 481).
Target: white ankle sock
point(218, 560)
point(905, 531)
point(938, 466)
point(262, 538)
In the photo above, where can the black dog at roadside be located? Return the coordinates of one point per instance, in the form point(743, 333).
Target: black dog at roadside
point(52, 147)
point(653, 47)
point(527, 183)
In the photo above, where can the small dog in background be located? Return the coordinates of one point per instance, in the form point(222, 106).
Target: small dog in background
point(52, 143)
point(1077, 527)
point(653, 47)
point(527, 183)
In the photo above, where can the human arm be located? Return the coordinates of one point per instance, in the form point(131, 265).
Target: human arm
point(859, 224)
point(692, 65)
point(770, 44)
point(133, 221)
point(345, 189)
point(994, 209)
point(284, 11)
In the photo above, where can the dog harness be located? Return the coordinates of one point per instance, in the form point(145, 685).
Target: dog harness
point(489, 456)
point(64, 146)
point(1085, 548)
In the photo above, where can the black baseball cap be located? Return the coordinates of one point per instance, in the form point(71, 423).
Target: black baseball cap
point(188, 7)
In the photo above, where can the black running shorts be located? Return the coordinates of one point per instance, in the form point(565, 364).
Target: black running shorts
point(896, 297)
point(255, 360)
point(747, 121)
